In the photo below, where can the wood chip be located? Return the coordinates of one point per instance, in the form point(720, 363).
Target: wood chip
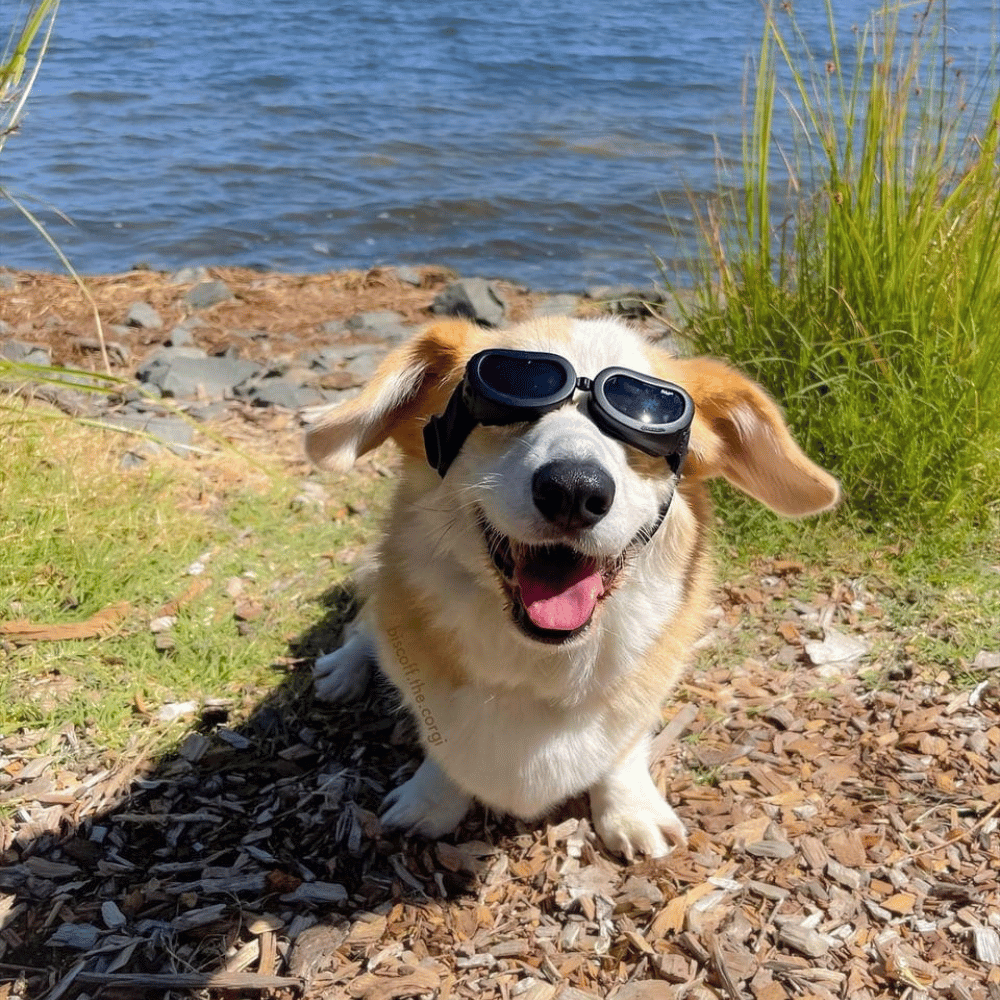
point(803, 939)
point(986, 942)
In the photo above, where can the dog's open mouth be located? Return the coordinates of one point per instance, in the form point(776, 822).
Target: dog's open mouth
point(554, 590)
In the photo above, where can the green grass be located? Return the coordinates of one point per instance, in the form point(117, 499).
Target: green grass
point(79, 534)
point(870, 307)
point(21, 58)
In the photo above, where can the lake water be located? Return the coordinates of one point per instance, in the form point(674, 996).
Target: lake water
point(555, 142)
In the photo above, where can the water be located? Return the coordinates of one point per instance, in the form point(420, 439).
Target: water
point(555, 142)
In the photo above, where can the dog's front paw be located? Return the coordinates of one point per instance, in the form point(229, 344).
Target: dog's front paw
point(346, 673)
point(650, 828)
point(629, 813)
point(430, 803)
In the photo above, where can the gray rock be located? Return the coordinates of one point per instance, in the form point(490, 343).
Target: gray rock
point(7, 282)
point(167, 355)
point(608, 293)
point(208, 293)
point(472, 298)
point(174, 432)
point(146, 396)
point(623, 300)
point(181, 335)
point(142, 314)
point(80, 937)
point(5, 328)
point(557, 305)
point(283, 392)
point(207, 411)
point(333, 327)
point(363, 366)
point(26, 354)
point(176, 373)
point(189, 276)
point(331, 358)
point(135, 402)
point(409, 276)
point(383, 323)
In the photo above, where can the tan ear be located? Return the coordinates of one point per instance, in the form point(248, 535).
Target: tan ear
point(740, 433)
point(412, 383)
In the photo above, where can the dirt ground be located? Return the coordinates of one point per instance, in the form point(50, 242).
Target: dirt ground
point(270, 314)
point(844, 834)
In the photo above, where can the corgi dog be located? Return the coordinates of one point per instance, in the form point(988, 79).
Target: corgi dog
point(544, 570)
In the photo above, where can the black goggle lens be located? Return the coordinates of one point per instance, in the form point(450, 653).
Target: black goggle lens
point(642, 402)
point(522, 378)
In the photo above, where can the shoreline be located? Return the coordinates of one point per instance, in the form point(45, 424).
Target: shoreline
point(214, 344)
point(261, 313)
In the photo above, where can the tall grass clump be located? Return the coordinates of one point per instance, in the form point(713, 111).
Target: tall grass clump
point(21, 59)
point(867, 300)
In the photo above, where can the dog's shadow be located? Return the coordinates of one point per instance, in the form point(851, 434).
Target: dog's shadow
point(273, 818)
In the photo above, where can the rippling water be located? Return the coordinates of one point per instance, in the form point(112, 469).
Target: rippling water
point(550, 141)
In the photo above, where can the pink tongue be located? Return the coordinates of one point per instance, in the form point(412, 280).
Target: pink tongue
point(563, 602)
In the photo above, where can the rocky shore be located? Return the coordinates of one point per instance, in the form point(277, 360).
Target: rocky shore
point(206, 344)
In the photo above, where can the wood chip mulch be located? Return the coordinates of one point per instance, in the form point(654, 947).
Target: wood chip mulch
point(844, 843)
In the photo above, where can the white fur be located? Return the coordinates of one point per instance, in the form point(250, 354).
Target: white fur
point(346, 673)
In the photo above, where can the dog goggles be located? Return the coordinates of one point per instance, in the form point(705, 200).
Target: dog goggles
point(509, 387)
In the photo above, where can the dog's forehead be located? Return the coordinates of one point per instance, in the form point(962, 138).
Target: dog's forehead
point(590, 345)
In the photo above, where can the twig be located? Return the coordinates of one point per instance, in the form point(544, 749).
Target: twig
point(191, 980)
point(965, 834)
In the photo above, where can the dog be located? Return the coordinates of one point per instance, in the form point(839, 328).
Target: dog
point(545, 568)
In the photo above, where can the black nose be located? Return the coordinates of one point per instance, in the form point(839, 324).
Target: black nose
point(572, 494)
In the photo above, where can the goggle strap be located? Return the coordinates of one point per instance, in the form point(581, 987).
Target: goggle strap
point(645, 535)
point(445, 433)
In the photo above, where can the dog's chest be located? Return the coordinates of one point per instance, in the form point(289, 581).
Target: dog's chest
point(520, 755)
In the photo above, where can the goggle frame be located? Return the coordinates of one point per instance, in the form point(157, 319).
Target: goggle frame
point(476, 401)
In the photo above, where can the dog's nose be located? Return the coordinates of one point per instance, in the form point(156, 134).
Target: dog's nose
point(572, 494)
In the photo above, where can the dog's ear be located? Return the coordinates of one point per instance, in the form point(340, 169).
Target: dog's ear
point(739, 433)
point(411, 384)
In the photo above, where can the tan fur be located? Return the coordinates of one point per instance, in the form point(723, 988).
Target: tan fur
point(746, 451)
point(434, 361)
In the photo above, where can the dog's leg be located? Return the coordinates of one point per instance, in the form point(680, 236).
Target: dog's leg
point(346, 673)
point(629, 813)
point(430, 803)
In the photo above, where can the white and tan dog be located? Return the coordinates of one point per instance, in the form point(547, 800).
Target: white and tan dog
point(522, 698)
